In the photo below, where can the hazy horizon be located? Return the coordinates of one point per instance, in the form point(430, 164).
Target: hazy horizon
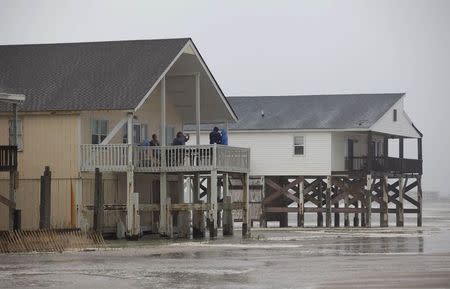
point(281, 47)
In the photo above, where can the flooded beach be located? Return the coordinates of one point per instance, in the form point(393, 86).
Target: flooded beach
point(408, 257)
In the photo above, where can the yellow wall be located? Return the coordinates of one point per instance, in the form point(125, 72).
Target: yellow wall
point(53, 140)
point(49, 140)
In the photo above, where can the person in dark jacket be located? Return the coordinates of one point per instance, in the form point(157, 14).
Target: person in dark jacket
point(154, 142)
point(215, 136)
point(180, 139)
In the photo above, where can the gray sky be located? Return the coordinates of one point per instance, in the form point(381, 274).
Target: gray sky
point(281, 47)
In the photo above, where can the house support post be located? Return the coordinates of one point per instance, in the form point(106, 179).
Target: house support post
point(46, 199)
point(320, 203)
point(419, 201)
point(198, 216)
point(346, 214)
point(164, 213)
point(399, 208)
point(183, 221)
point(98, 202)
point(246, 209)
point(212, 224)
point(384, 221)
point(227, 208)
point(337, 219)
point(328, 202)
point(368, 198)
point(356, 216)
point(13, 176)
point(301, 203)
point(132, 218)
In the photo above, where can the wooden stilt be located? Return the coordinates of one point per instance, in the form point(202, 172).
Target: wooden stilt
point(45, 205)
point(399, 208)
point(212, 189)
point(337, 220)
point(419, 201)
point(163, 226)
point(368, 197)
point(98, 202)
point(320, 204)
point(328, 202)
point(346, 214)
point(227, 208)
point(198, 217)
point(384, 222)
point(183, 221)
point(356, 216)
point(301, 203)
point(246, 209)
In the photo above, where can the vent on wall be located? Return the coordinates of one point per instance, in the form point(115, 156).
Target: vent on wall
point(395, 115)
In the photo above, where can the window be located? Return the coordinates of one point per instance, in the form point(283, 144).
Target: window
point(395, 115)
point(170, 134)
point(19, 133)
point(99, 130)
point(299, 146)
point(140, 133)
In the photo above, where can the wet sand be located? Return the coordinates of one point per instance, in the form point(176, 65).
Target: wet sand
point(392, 257)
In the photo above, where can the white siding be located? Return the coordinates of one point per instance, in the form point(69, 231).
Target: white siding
point(272, 153)
point(401, 127)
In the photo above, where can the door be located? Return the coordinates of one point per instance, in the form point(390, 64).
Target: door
point(350, 154)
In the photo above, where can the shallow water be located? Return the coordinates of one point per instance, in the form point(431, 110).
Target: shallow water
point(408, 257)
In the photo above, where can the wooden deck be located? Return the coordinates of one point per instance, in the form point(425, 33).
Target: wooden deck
point(198, 158)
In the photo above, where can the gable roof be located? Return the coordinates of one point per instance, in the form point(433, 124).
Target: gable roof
point(341, 111)
point(114, 75)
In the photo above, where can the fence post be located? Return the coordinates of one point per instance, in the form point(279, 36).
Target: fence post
point(45, 205)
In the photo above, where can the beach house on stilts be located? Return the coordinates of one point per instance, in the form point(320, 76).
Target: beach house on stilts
point(329, 154)
point(89, 110)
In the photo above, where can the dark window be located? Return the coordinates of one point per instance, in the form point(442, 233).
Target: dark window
point(395, 115)
point(99, 129)
point(299, 146)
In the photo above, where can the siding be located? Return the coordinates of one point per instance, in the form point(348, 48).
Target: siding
point(49, 140)
point(272, 152)
point(401, 127)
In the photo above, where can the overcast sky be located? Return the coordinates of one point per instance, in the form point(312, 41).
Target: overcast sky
point(282, 47)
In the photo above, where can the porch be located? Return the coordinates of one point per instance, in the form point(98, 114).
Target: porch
point(374, 152)
point(169, 159)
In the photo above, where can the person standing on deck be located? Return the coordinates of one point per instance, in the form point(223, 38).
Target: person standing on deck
point(154, 142)
point(215, 137)
point(180, 139)
point(224, 136)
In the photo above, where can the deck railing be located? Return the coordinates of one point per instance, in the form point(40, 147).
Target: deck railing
point(8, 158)
point(384, 164)
point(109, 157)
point(165, 159)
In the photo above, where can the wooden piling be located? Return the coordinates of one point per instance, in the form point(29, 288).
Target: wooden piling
point(213, 205)
point(98, 202)
point(368, 198)
point(399, 207)
point(419, 201)
point(301, 203)
point(320, 204)
point(384, 221)
point(328, 202)
point(45, 202)
point(346, 214)
point(246, 209)
point(163, 226)
point(356, 216)
point(227, 208)
point(198, 217)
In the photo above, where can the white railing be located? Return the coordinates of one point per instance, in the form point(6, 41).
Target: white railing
point(173, 158)
point(109, 157)
point(233, 159)
point(114, 157)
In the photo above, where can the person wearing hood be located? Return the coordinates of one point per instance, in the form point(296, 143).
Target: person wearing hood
point(224, 136)
point(215, 137)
